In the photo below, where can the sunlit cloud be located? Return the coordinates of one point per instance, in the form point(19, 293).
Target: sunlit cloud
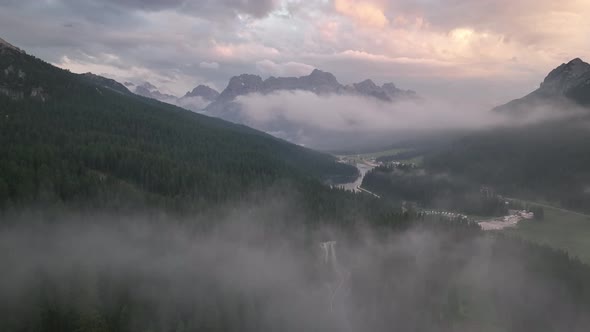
point(283, 69)
point(418, 44)
point(363, 12)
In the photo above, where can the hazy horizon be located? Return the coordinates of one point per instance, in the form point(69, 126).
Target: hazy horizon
point(481, 52)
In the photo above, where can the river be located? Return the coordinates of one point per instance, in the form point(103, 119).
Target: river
point(363, 169)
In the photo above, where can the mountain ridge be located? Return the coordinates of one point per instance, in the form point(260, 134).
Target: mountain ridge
point(569, 83)
point(545, 160)
point(203, 91)
point(318, 81)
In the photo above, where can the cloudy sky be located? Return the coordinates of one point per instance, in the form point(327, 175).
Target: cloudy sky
point(487, 51)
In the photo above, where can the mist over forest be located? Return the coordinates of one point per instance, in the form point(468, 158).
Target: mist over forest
point(258, 268)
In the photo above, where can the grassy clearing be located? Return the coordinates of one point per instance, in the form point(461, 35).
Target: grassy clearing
point(562, 229)
point(390, 152)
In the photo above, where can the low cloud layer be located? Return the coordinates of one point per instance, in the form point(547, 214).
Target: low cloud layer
point(253, 270)
point(191, 103)
point(332, 122)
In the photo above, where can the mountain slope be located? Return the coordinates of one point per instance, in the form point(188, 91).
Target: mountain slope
point(544, 161)
point(65, 136)
point(567, 84)
point(148, 90)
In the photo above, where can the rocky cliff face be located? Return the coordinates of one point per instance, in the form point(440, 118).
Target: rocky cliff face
point(194, 100)
point(318, 82)
point(228, 106)
point(204, 92)
point(241, 85)
point(150, 91)
point(566, 77)
point(569, 83)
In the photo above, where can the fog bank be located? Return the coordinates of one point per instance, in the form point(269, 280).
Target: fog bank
point(254, 272)
point(336, 122)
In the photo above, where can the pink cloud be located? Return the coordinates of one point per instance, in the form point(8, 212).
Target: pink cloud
point(366, 13)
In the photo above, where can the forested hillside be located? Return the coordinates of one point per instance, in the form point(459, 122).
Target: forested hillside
point(549, 161)
point(544, 160)
point(67, 137)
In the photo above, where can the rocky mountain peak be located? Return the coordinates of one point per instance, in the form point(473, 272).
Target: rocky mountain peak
point(576, 61)
point(149, 86)
point(365, 85)
point(566, 76)
point(321, 82)
point(569, 82)
point(318, 81)
point(389, 87)
point(241, 85)
point(204, 92)
point(323, 77)
point(369, 88)
point(151, 91)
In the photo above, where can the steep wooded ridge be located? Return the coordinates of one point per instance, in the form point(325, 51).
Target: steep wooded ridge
point(65, 136)
point(548, 160)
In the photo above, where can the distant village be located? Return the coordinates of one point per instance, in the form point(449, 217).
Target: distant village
point(512, 219)
point(373, 162)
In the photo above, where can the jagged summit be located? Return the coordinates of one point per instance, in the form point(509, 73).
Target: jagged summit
point(569, 82)
point(566, 76)
point(366, 84)
point(149, 90)
point(323, 76)
point(148, 85)
point(204, 92)
point(317, 72)
point(369, 88)
point(318, 81)
point(576, 61)
point(241, 85)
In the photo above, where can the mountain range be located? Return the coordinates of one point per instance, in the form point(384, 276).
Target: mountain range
point(318, 82)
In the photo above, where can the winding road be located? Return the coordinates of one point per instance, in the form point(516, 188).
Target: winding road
point(363, 167)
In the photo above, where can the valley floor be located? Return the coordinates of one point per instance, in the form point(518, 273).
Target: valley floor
point(561, 229)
